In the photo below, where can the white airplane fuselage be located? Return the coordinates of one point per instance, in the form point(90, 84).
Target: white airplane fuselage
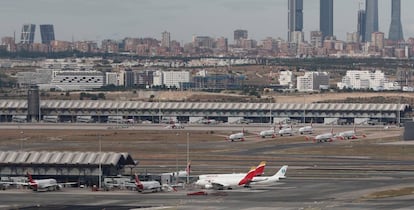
point(286, 131)
point(267, 133)
point(236, 137)
point(324, 137)
point(150, 186)
point(347, 134)
point(44, 184)
point(306, 130)
point(220, 181)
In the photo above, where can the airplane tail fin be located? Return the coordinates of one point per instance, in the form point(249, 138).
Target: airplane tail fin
point(138, 183)
point(249, 176)
point(259, 170)
point(29, 176)
point(281, 173)
point(188, 169)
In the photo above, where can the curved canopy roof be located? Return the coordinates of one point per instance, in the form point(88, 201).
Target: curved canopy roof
point(126, 105)
point(65, 158)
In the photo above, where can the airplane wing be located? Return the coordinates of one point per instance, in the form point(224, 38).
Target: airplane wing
point(219, 185)
point(66, 183)
point(16, 183)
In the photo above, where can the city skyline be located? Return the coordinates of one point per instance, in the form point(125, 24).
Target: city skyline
point(183, 18)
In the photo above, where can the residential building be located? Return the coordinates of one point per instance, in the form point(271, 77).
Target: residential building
point(313, 81)
point(240, 34)
point(377, 40)
point(175, 78)
point(316, 39)
point(203, 42)
point(286, 78)
point(375, 80)
point(109, 46)
point(166, 39)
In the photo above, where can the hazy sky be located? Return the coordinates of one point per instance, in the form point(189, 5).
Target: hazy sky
point(116, 19)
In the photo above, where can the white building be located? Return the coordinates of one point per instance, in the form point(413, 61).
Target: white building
point(313, 81)
point(376, 80)
point(175, 78)
point(75, 80)
point(158, 78)
point(41, 76)
point(114, 78)
point(286, 78)
point(171, 78)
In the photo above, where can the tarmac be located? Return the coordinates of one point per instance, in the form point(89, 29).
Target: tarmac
point(332, 180)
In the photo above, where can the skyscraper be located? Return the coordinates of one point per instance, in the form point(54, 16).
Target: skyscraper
point(166, 39)
point(326, 18)
point(240, 34)
point(295, 19)
point(28, 33)
point(47, 33)
point(396, 31)
point(361, 25)
point(371, 18)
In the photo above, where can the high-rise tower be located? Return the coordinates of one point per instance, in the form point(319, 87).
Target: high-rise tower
point(47, 33)
point(361, 25)
point(326, 18)
point(166, 39)
point(295, 19)
point(371, 18)
point(28, 33)
point(396, 31)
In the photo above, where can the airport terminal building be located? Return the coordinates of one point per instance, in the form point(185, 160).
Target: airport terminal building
point(102, 111)
point(80, 167)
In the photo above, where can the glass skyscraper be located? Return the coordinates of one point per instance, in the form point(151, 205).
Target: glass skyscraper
point(371, 18)
point(28, 33)
point(326, 18)
point(396, 31)
point(361, 25)
point(295, 19)
point(47, 33)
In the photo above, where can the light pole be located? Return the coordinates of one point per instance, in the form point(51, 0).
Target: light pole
point(188, 156)
point(270, 111)
point(100, 163)
point(21, 139)
point(304, 108)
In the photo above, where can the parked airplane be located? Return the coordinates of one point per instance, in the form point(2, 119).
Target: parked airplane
point(219, 181)
point(225, 181)
point(268, 133)
point(151, 186)
point(349, 134)
point(306, 130)
point(41, 184)
point(286, 131)
point(236, 136)
point(270, 180)
point(325, 137)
